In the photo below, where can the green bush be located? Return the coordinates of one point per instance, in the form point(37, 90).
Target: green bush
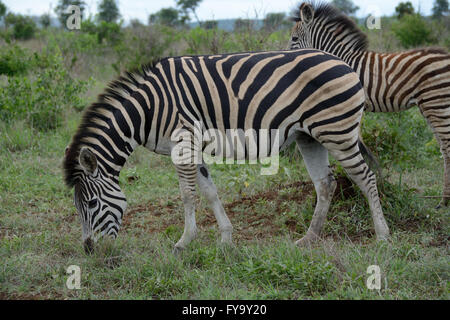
point(394, 137)
point(23, 27)
point(106, 32)
point(147, 43)
point(14, 60)
point(41, 97)
point(412, 31)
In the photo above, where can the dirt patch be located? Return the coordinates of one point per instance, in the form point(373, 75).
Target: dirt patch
point(345, 189)
point(248, 222)
point(243, 212)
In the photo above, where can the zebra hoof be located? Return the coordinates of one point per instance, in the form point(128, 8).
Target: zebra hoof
point(307, 241)
point(443, 204)
point(177, 250)
point(383, 238)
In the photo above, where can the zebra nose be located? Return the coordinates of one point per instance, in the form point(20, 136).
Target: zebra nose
point(88, 246)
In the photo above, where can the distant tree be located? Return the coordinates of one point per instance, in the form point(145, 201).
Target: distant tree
point(440, 8)
point(45, 20)
point(412, 31)
point(403, 9)
point(23, 27)
point(165, 16)
point(136, 23)
point(346, 6)
point(273, 21)
point(210, 24)
point(243, 25)
point(108, 11)
point(186, 7)
point(2, 10)
point(62, 6)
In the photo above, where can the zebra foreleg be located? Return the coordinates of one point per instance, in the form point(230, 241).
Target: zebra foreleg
point(187, 178)
point(315, 157)
point(209, 190)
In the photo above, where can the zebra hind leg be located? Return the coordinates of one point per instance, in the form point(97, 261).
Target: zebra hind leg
point(209, 190)
point(187, 179)
point(315, 157)
point(358, 170)
point(438, 118)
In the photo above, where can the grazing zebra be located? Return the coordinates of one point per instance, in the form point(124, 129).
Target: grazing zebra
point(392, 81)
point(312, 97)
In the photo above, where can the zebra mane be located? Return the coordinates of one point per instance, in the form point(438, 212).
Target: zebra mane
point(119, 90)
point(327, 14)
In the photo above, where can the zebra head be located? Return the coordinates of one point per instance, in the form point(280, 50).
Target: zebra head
point(98, 199)
point(301, 33)
point(322, 26)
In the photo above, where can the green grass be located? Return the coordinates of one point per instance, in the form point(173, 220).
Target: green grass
point(40, 232)
point(40, 235)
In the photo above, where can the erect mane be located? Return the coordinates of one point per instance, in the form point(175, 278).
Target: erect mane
point(331, 15)
point(119, 89)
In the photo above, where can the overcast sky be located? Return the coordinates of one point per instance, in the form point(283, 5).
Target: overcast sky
point(212, 9)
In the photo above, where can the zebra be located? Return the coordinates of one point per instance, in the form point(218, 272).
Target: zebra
point(392, 81)
point(315, 98)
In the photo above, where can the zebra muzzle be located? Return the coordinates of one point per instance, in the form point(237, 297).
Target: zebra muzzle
point(88, 246)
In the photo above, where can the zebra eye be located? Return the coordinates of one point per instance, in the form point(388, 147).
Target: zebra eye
point(92, 203)
point(294, 38)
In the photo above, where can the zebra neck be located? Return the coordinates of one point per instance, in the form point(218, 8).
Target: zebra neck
point(351, 57)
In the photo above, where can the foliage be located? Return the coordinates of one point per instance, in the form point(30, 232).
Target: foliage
point(274, 21)
point(412, 31)
point(109, 33)
point(394, 138)
point(165, 16)
point(243, 25)
point(440, 9)
point(148, 43)
point(186, 7)
point(108, 11)
point(2, 9)
point(346, 6)
point(23, 27)
point(404, 8)
point(210, 24)
point(41, 97)
point(45, 20)
point(14, 60)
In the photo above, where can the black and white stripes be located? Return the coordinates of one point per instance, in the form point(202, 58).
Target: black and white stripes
point(309, 96)
point(392, 81)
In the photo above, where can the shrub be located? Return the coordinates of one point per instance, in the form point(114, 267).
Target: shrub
point(23, 27)
point(14, 60)
point(143, 44)
point(412, 31)
point(394, 138)
point(40, 98)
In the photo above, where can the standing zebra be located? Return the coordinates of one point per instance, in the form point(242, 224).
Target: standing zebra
point(392, 81)
point(312, 97)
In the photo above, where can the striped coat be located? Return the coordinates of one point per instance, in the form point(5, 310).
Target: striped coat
point(392, 81)
point(310, 97)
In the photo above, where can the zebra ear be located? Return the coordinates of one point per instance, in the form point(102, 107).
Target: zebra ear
point(306, 13)
point(88, 160)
